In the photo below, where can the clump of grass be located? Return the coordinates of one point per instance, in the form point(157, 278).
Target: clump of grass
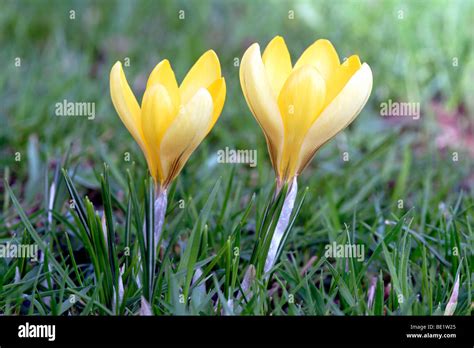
point(408, 202)
point(96, 259)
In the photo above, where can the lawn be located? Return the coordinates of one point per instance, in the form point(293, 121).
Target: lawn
point(77, 188)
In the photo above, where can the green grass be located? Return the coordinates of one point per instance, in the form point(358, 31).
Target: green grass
point(88, 219)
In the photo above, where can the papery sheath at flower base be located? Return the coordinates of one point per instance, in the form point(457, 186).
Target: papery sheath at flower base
point(172, 120)
point(300, 107)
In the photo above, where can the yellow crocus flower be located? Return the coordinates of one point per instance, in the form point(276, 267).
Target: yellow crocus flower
point(300, 107)
point(171, 121)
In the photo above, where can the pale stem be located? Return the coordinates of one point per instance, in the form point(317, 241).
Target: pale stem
point(371, 294)
point(161, 201)
point(145, 308)
point(281, 226)
point(159, 207)
point(453, 300)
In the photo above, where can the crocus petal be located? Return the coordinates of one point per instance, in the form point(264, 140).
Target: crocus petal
point(157, 115)
point(277, 61)
point(338, 114)
point(261, 101)
point(128, 109)
point(301, 100)
point(322, 55)
point(164, 75)
point(185, 134)
point(203, 73)
point(340, 76)
point(124, 101)
point(218, 92)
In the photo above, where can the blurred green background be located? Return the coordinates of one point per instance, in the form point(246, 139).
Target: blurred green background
point(419, 51)
point(411, 47)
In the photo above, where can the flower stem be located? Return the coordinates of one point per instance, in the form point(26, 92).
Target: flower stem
point(161, 202)
point(281, 226)
point(152, 230)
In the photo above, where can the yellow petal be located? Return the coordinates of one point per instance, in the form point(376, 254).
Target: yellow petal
point(128, 109)
point(204, 72)
point(124, 100)
point(337, 115)
point(261, 101)
point(157, 115)
point(301, 100)
point(322, 55)
point(164, 75)
point(218, 92)
point(277, 61)
point(340, 76)
point(185, 134)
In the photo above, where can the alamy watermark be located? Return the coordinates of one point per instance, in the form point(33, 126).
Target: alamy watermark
point(29, 251)
point(237, 156)
point(400, 109)
point(28, 330)
point(69, 108)
point(335, 250)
